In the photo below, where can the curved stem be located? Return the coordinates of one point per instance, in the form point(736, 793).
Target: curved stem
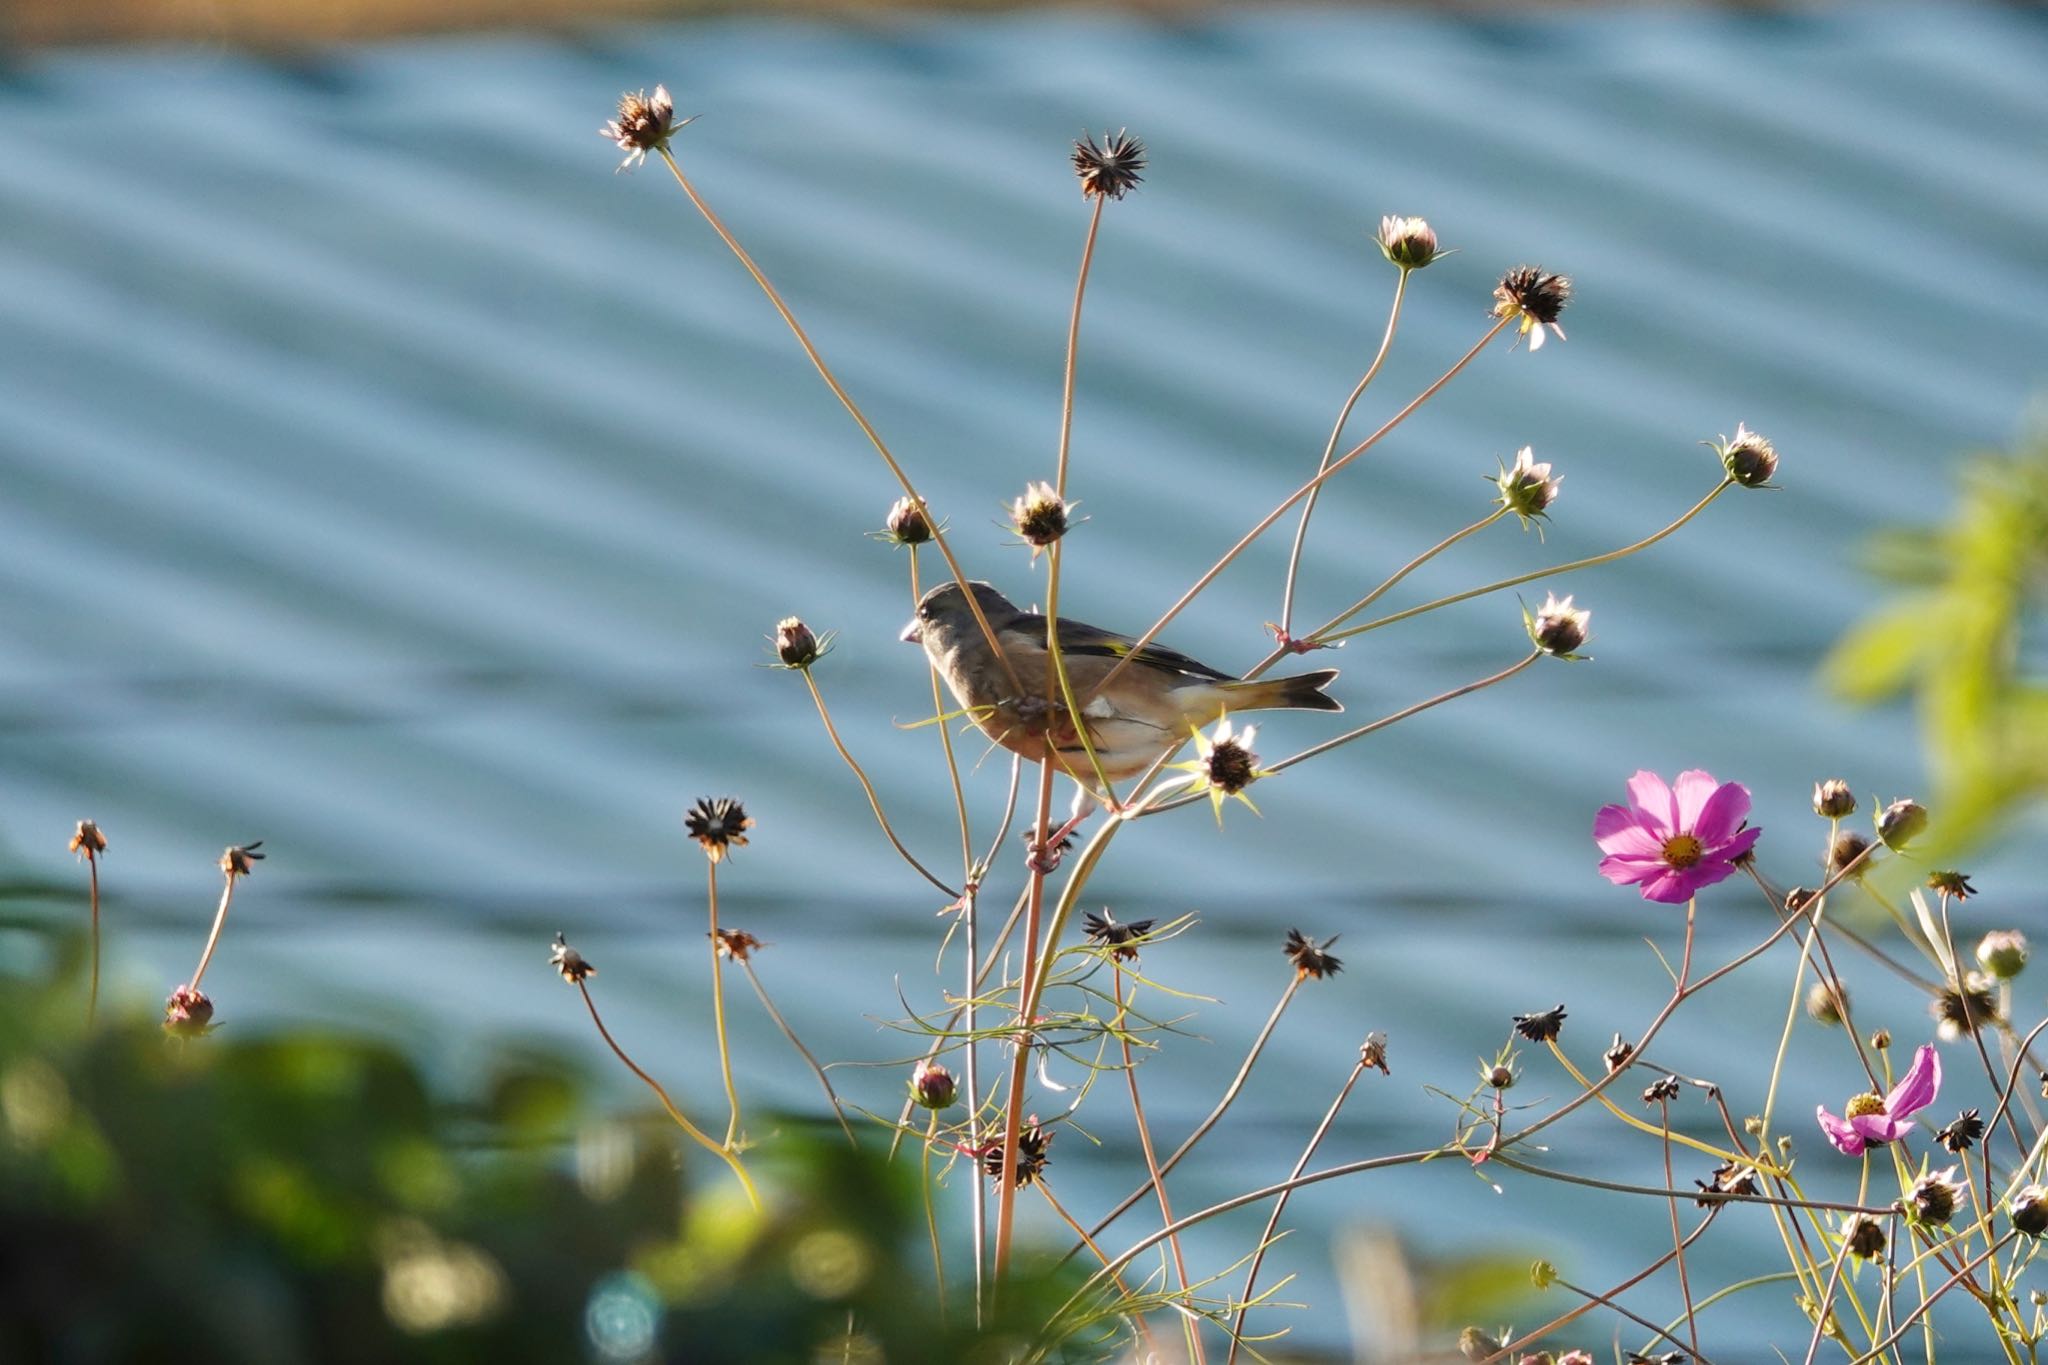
point(220, 919)
point(695, 1134)
point(1308, 508)
point(831, 1095)
point(92, 1003)
point(845, 400)
point(931, 1215)
point(1410, 567)
point(1074, 345)
point(874, 801)
point(1180, 1265)
point(1590, 562)
point(1305, 490)
point(732, 1093)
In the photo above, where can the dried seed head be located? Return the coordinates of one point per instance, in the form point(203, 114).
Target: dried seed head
point(1040, 516)
point(1661, 1091)
point(87, 841)
point(737, 944)
point(1618, 1053)
point(1230, 765)
point(907, 522)
point(1373, 1052)
point(1559, 629)
point(795, 645)
point(1032, 1152)
point(1901, 823)
point(575, 969)
point(1120, 939)
point(2003, 953)
point(2029, 1211)
point(1541, 1028)
point(1111, 170)
point(1824, 1005)
point(1847, 848)
point(1798, 898)
point(1960, 1013)
point(1865, 1236)
point(1409, 243)
point(1527, 488)
point(1749, 459)
point(1962, 1132)
point(1499, 1075)
point(1534, 299)
point(644, 124)
point(188, 1013)
point(933, 1087)
point(1727, 1179)
point(1833, 799)
point(236, 862)
point(1934, 1197)
point(1952, 884)
point(1312, 959)
point(718, 825)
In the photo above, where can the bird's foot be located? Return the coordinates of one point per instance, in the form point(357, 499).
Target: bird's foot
point(1295, 644)
point(1043, 856)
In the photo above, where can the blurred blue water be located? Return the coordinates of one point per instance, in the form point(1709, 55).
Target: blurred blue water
point(386, 479)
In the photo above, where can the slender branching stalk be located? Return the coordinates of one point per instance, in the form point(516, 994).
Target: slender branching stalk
point(831, 1095)
point(1180, 1265)
point(732, 1094)
point(874, 801)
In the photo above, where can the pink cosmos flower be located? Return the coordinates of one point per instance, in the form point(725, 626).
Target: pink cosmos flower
point(1874, 1120)
point(1674, 840)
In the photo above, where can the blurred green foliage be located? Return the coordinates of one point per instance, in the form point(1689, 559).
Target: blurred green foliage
point(306, 1197)
point(1961, 634)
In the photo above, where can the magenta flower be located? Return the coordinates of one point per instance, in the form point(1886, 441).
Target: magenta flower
point(1874, 1120)
point(1674, 840)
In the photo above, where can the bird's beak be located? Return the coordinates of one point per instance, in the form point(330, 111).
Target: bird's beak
point(912, 633)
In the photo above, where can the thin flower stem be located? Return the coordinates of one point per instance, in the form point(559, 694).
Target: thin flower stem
point(1074, 345)
point(1596, 1300)
point(874, 801)
point(92, 1003)
point(845, 400)
point(1823, 1312)
point(1304, 491)
point(1180, 1266)
point(1308, 507)
point(1280, 1205)
point(691, 1130)
point(1394, 580)
point(1927, 1303)
point(1230, 1094)
point(732, 1093)
point(1591, 562)
point(1668, 1192)
point(1638, 1319)
point(1020, 1062)
point(978, 1203)
point(1640, 1125)
point(1692, 1327)
point(946, 743)
point(831, 1095)
point(931, 1215)
point(220, 919)
point(1116, 1277)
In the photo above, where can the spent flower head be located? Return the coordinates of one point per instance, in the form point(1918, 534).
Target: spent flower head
point(87, 841)
point(1934, 1197)
point(1833, 799)
point(1871, 1120)
point(1901, 822)
point(188, 1013)
point(1673, 840)
point(1960, 1009)
point(1373, 1052)
point(737, 944)
point(718, 824)
point(1844, 853)
point(1541, 1028)
point(1558, 628)
point(1409, 243)
point(643, 124)
point(1121, 939)
point(1749, 459)
point(908, 522)
point(1111, 170)
point(1040, 516)
point(1962, 1131)
point(796, 646)
point(1865, 1236)
point(1533, 299)
point(2003, 953)
point(2029, 1211)
point(239, 859)
point(1224, 765)
point(1033, 1150)
point(573, 966)
point(1527, 488)
point(1310, 958)
point(1955, 885)
point(1825, 1002)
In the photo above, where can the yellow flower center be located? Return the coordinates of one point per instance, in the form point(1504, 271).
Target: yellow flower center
point(1683, 850)
point(1863, 1104)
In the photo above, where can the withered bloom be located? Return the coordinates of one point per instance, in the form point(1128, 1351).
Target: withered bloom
point(236, 861)
point(1959, 1013)
point(908, 523)
point(87, 841)
point(1661, 1091)
point(1750, 460)
point(575, 969)
point(1032, 1148)
point(1727, 1179)
point(718, 824)
point(1533, 298)
point(1847, 848)
point(1541, 1028)
point(1039, 517)
point(643, 124)
point(737, 944)
point(1962, 1132)
point(796, 646)
point(1618, 1053)
point(1111, 170)
point(188, 1013)
point(1311, 958)
point(1953, 884)
point(1373, 1052)
point(1120, 939)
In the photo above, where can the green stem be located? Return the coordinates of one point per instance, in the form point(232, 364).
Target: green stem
point(732, 1093)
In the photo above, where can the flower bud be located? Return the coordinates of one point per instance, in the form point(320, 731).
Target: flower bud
point(188, 1013)
point(1934, 1197)
point(1408, 242)
point(1833, 799)
point(1881, 1040)
point(1865, 1236)
point(1476, 1344)
point(1039, 516)
point(1823, 1006)
point(907, 523)
point(1901, 823)
point(932, 1086)
point(2029, 1211)
point(1749, 459)
point(2003, 953)
point(1527, 489)
point(1501, 1076)
point(87, 841)
point(795, 645)
point(1558, 628)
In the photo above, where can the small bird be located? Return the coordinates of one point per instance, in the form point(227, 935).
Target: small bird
point(1148, 707)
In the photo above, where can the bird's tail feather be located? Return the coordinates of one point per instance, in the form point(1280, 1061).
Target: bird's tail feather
point(1302, 692)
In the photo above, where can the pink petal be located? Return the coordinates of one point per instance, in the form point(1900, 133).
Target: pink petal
point(1742, 842)
point(1613, 819)
point(1917, 1088)
point(1622, 870)
point(1630, 841)
point(1671, 886)
point(1653, 800)
point(1847, 1140)
point(1691, 790)
point(1721, 814)
point(1709, 872)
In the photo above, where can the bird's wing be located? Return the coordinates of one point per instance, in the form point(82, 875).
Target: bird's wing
point(1080, 638)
